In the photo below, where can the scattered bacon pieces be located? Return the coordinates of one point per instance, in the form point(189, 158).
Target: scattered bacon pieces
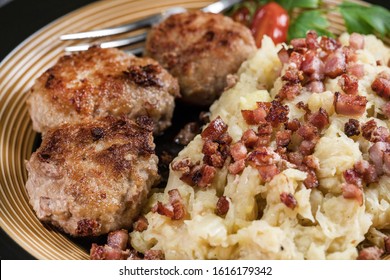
point(311, 180)
point(329, 44)
point(349, 84)
point(222, 206)
point(278, 113)
point(214, 130)
point(236, 167)
point(370, 253)
point(105, 252)
point(288, 199)
point(335, 64)
point(249, 138)
point(356, 70)
point(351, 176)
point(283, 138)
point(351, 191)
point(315, 86)
point(351, 128)
point(255, 116)
point(366, 171)
point(141, 224)
point(154, 255)
point(380, 155)
point(381, 85)
point(176, 201)
point(238, 151)
point(319, 119)
point(267, 172)
point(313, 66)
point(182, 165)
point(174, 210)
point(368, 128)
point(350, 105)
point(118, 239)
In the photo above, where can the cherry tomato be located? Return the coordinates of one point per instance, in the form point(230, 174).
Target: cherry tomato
point(242, 15)
point(272, 20)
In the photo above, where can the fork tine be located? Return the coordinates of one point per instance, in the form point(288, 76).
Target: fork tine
point(111, 44)
point(146, 22)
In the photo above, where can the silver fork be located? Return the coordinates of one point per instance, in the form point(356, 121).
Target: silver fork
point(216, 7)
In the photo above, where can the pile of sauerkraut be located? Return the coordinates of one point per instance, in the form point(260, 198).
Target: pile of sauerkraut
point(285, 194)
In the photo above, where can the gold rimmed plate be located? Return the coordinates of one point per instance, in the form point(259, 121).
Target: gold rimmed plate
point(17, 138)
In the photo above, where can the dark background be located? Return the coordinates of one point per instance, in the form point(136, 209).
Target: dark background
point(18, 20)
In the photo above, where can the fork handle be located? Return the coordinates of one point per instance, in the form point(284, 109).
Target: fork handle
point(149, 21)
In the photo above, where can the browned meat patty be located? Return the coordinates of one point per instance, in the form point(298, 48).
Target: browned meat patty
point(200, 49)
point(91, 178)
point(101, 82)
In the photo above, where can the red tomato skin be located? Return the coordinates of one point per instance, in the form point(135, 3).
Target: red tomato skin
point(272, 20)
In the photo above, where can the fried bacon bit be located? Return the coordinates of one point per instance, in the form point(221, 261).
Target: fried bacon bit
point(311, 162)
point(263, 160)
point(380, 155)
point(222, 206)
point(238, 151)
point(298, 43)
point(311, 180)
point(349, 84)
point(249, 138)
point(216, 141)
point(106, 252)
point(308, 132)
point(311, 40)
point(236, 167)
point(335, 64)
point(183, 165)
point(214, 130)
point(283, 138)
point(351, 191)
point(351, 176)
point(267, 172)
point(366, 171)
point(350, 105)
point(370, 253)
point(174, 210)
point(356, 41)
point(313, 66)
point(199, 175)
point(296, 59)
point(118, 239)
point(319, 119)
point(293, 75)
point(176, 201)
point(154, 255)
point(134, 255)
point(351, 128)
point(165, 210)
point(255, 116)
point(283, 55)
point(289, 91)
point(315, 86)
point(381, 85)
point(355, 69)
point(368, 128)
point(141, 224)
point(295, 158)
point(292, 125)
point(288, 199)
point(329, 44)
point(278, 113)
